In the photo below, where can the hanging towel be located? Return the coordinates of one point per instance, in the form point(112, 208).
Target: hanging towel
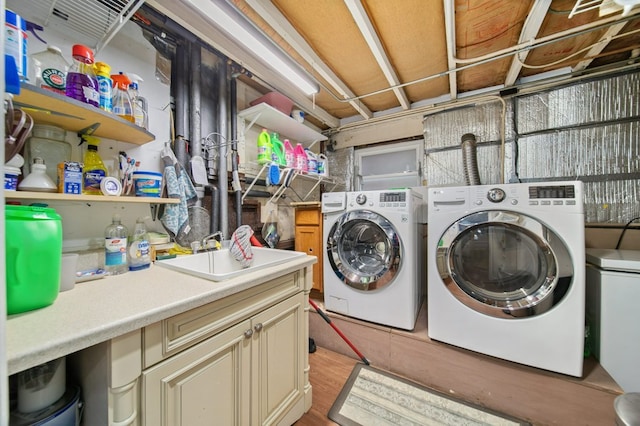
point(175, 217)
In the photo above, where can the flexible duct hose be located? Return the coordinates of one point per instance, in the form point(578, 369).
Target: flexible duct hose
point(470, 160)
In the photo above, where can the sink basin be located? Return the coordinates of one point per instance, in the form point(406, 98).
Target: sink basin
point(220, 265)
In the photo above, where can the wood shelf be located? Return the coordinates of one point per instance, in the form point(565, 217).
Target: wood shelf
point(270, 118)
point(52, 196)
point(46, 107)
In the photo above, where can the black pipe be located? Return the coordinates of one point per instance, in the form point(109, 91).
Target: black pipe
point(233, 131)
point(214, 224)
point(194, 100)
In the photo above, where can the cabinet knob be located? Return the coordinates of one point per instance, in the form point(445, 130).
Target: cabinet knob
point(248, 333)
point(258, 327)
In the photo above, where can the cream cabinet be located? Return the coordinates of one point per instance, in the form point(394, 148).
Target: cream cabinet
point(249, 374)
point(241, 360)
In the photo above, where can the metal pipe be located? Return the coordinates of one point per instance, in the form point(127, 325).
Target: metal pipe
point(194, 110)
point(215, 214)
point(223, 119)
point(233, 86)
point(181, 91)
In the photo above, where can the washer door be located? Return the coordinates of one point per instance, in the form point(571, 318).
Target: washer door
point(504, 264)
point(364, 250)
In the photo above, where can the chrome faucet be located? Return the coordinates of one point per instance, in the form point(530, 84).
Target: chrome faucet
point(208, 243)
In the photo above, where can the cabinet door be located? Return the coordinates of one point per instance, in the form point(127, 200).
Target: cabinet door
point(309, 240)
point(207, 384)
point(278, 352)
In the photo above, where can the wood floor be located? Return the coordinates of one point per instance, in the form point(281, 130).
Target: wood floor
point(534, 395)
point(329, 372)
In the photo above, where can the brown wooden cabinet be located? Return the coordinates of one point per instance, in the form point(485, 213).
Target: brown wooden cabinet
point(308, 220)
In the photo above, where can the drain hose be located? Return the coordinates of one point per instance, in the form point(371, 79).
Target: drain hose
point(469, 159)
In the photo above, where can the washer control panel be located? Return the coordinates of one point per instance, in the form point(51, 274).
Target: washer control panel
point(389, 200)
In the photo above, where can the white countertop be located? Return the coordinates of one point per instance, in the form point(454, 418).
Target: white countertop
point(96, 311)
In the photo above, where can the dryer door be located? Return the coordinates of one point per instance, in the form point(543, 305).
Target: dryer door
point(364, 250)
point(504, 264)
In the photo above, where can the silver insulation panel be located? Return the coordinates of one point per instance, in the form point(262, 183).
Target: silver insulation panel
point(588, 131)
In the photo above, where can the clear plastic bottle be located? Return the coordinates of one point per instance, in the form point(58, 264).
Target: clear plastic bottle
point(121, 101)
point(140, 248)
point(105, 85)
point(115, 247)
point(50, 69)
point(81, 83)
point(94, 169)
point(139, 103)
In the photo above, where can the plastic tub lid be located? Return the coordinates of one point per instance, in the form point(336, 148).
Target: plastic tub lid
point(138, 173)
point(46, 131)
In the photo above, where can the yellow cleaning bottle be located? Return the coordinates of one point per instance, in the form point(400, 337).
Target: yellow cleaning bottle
point(94, 169)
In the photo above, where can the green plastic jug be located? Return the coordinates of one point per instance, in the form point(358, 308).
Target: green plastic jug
point(33, 244)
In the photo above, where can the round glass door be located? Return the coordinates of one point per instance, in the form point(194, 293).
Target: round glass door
point(504, 264)
point(364, 250)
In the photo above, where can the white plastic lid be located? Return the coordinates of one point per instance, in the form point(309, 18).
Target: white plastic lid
point(48, 132)
point(111, 186)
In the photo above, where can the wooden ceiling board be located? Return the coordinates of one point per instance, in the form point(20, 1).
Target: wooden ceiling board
point(412, 34)
point(620, 49)
point(333, 34)
point(414, 42)
point(556, 21)
point(482, 28)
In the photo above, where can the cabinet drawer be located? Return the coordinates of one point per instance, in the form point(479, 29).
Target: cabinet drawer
point(310, 216)
point(168, 337)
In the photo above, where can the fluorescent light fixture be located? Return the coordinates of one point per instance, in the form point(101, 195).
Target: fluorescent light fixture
point(232, 22)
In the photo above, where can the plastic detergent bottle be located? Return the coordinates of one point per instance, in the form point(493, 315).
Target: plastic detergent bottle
point(289, 154)
point(50, 70)
point(140, 248)
point(94, 169)
point(323, 168)
point(264, 147)
point(105, 85)
point(115, 247)
point(139, 103)
point(277, 150)
point(121, 101)
point(301, 158)
point(81, 81)
point(312, 161)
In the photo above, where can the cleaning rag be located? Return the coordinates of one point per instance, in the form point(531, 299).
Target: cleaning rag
point(175, 218)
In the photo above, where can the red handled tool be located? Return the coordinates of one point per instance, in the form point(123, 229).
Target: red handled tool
point(328, 320)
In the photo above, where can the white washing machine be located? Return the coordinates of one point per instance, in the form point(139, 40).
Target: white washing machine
point(506, 272)
point(373, 256)
point(613, 292)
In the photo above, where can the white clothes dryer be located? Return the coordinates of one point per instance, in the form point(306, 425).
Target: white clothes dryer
point(373, 256)
point(506, 272)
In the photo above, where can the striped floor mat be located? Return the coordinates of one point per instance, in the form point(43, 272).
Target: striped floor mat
point(373, 397)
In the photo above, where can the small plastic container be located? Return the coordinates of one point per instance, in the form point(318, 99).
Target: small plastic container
point(147, 184)
point(47, 142)
point(11, 175)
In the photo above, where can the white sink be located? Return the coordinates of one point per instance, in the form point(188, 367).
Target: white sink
point(220, 265)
